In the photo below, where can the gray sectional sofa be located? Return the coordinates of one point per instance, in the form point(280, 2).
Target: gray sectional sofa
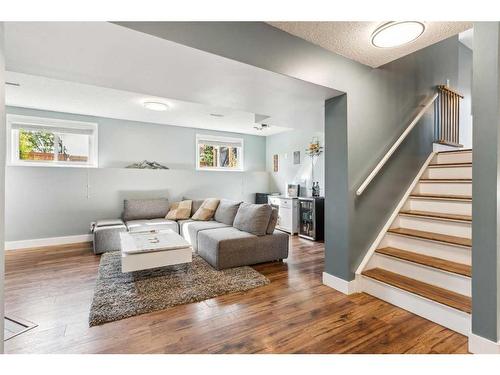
point(240, 233)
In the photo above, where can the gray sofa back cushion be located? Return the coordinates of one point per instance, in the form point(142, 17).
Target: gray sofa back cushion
point(226, 211)
point(272, 221)
point(196, 203)
point(253, 218)
point(137, 209)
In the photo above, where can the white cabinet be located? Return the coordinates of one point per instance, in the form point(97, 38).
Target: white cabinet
point(288, 211)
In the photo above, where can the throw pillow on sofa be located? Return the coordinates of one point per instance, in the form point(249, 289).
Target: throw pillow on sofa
point(253, 218)
point(180, 210)
point(226, 211)
point(272, 221)
point(207, 210)
point(143, 209)
point(195, 205)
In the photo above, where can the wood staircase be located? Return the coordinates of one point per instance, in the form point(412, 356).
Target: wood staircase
point(423, 262)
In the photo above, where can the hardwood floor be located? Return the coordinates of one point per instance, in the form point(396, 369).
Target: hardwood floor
point(53, 288)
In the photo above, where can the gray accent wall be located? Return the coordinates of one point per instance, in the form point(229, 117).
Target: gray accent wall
point(486, 186)
point(2, 181)
point(44, 202)
point(379, 105)
point(284, 145)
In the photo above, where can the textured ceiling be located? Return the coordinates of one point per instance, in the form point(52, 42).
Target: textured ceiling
point(352, 39)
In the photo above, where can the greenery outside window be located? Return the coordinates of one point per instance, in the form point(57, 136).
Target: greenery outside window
point(219, 153)
point(38, 141)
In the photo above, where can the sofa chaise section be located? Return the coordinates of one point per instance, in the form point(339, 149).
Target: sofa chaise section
point(230, 247)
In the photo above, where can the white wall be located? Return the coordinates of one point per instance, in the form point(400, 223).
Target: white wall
point(284, 145)
point(44, 202)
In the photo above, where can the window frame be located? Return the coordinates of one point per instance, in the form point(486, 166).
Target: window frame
point(12, 140)
point(221, 139)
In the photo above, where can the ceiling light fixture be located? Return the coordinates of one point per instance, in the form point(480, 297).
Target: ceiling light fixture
point(155, 106)
point(397, 33)
point(216, 115)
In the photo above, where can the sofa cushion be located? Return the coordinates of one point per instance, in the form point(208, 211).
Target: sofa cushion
point(181, 224)
point(229, 247)
point(253, 218)
point(137, 209)
point(226, 211)
point(272, 221)
point(207, 210)
point(180, 210)
point(190, 231)
point(150, 225)
point(195, 205)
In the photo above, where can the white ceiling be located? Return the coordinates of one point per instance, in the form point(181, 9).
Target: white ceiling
point(352, 39)
point(71, 97)
point(102, 69)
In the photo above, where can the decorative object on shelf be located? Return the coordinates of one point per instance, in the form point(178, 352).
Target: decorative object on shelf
point(146, 164)
point(296, 157)
point(292, 190)
point(275, 163)
point(315, 189)
point(314, 150)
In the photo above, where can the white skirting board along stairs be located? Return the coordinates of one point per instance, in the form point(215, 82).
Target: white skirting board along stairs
point(421, 260)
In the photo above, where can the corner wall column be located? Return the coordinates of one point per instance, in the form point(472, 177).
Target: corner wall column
point(485, 189)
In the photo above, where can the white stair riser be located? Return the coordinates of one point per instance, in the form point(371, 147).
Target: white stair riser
point(455, 188)
point(440, 206)
point(454, 157)
point(446, 280)
point(448, 172)
point(456, 254)
point(448, 317)
point(451, 228)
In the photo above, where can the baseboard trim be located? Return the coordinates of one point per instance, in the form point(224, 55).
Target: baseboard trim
point(343, 286)
point(51, 241)
point(480, 345)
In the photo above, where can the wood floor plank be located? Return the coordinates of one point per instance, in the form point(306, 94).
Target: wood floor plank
point(442, 264)
point(440, 295)
point(295, 313)
point(437, 215)
point(453, 240)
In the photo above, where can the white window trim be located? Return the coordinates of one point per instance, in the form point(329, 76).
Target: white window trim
point(202, 137)
point(12, 140)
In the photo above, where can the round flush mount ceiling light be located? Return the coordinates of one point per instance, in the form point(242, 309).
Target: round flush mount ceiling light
point(155, 106)
point(397, 33)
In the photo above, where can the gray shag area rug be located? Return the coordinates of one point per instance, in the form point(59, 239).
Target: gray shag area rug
point(120, 295)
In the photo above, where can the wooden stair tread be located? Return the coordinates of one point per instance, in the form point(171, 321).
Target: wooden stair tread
point(454, 240)
point(466, 180)
point(449, 165)
point(442, 196)
point(452, 151)
point(441, 264)
point(436, 215)
point(432, 292)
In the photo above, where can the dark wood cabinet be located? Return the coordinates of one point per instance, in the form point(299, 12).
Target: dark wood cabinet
point(312, 218)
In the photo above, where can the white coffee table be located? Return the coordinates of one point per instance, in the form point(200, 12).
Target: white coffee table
point(145, 250)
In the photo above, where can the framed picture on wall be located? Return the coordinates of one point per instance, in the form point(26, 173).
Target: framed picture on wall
point(275, 163)
point(296, 157)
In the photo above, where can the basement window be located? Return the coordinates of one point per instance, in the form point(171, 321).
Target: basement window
point(214, 153)
point(36, 141)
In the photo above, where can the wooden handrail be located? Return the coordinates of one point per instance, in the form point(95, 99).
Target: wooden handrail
point(396, 144)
